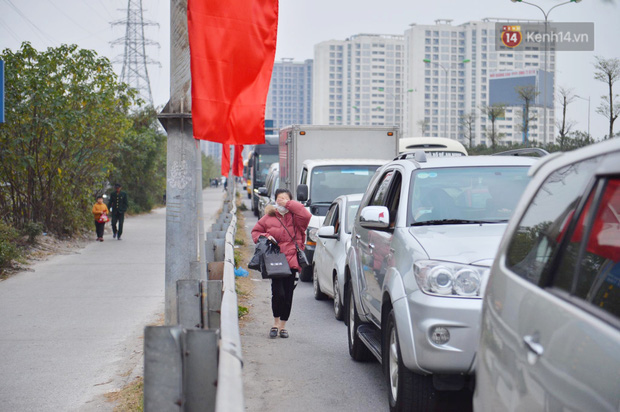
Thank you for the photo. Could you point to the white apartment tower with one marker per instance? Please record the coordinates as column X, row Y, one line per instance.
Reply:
column 289, row 100
column 448, row 72
column 359, row 81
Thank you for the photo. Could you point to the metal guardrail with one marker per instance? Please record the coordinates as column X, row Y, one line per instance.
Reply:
column 196, row 365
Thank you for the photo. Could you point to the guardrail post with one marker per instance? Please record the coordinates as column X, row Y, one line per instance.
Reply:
column 200, row 370
column 219, row 250
column 163, row 368
column 188, row 303
column 212, row 303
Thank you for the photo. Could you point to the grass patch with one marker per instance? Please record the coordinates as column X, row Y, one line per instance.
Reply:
column 130, row 398
column 242, row 310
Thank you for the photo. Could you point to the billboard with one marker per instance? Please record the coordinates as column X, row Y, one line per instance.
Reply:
column 502, row 86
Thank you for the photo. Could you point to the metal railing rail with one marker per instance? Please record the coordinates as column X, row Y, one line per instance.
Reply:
column 197, row 364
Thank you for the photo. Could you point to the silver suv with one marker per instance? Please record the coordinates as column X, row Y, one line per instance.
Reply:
column 550, row 331
column 423, row 240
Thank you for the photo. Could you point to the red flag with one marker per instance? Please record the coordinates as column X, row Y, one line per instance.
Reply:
column 238, row 161
column 232, row 49
column 225, row 159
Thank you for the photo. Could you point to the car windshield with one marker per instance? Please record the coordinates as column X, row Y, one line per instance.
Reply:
column 351, row 210
column 466, row 194
column 329, row 182
column 264, row 161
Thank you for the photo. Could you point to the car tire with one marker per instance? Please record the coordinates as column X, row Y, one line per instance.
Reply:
column 338, row 308
column 318, row 295
column 407, row 390
column 306, row 274
column 357, row 349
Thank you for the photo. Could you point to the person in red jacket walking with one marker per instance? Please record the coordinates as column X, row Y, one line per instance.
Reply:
column 296, row 218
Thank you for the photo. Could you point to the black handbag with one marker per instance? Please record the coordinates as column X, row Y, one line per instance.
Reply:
column 302, row 260
column 256, row 262
column 275, row 264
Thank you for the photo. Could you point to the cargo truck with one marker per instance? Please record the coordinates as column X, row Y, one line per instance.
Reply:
column 320, row 163
column 263, row 156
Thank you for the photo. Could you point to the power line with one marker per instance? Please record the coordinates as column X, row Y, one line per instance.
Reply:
column 44, row 35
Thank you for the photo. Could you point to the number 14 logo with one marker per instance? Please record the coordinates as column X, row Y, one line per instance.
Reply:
column 511, row 36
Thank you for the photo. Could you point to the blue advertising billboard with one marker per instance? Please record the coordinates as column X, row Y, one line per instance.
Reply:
column 502, row 86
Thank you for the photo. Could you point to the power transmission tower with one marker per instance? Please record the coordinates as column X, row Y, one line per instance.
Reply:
column 134, row 59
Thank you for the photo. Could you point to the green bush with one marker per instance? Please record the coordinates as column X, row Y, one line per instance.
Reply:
column 32, row 230
column 8, row 246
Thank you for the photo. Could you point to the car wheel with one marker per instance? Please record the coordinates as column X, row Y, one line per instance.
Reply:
column 407, row 391
column 357, row 349
column 338, row 309
column 306, row 274
column 318, row 295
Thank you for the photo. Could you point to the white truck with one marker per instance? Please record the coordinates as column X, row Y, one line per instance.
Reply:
column 320, row 163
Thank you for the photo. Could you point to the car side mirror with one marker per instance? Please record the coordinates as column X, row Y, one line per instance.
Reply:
column 327, row 232
column 375, row 217
column 262, row 191
column 302, row 193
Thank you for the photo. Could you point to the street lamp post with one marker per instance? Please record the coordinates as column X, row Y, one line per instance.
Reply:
column 445, row 114
column 588, row 99
column 546, row 14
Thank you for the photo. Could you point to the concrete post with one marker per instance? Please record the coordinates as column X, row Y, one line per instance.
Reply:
column 181, row 214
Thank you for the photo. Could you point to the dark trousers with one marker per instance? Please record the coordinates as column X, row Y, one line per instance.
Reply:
column 99, row 228
column 119, row 218
column 282, row 296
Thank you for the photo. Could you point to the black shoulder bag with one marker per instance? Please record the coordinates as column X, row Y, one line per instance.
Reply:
column 301, row 256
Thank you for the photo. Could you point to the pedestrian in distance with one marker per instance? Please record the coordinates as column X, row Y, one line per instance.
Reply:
column 118, row 206
column 100, row 213
column 286, row 215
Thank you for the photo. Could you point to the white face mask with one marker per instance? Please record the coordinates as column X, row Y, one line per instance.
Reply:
column 282, row 210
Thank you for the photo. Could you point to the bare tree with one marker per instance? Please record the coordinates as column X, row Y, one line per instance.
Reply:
column 467, row 121
column 565, row 96
column 423, row 125
column 527, row 94
column 608, row 71
column 494, row 113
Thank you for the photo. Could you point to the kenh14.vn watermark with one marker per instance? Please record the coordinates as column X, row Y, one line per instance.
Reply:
column 555, row 36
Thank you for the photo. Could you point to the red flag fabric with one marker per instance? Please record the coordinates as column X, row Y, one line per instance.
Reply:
column 225, row 159
column 238, row 161
column 232, row 49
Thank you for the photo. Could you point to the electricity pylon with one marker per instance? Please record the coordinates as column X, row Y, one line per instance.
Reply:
column 134, row 59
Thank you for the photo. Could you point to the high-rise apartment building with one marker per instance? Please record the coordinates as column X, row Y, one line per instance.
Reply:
column 449, row 68
column 289, row 100
column 426, row 80
column 359, row 81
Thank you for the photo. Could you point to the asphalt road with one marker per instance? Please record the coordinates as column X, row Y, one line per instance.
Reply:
column 71, row 330
column 311, row 370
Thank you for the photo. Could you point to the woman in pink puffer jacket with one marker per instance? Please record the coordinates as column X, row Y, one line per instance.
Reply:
column 296, row 218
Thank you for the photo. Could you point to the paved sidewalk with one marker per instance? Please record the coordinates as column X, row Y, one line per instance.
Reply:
column 72, row 330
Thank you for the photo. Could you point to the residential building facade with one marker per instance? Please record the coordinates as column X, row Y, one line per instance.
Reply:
column 359, row 81
column 289, row 100
column 449, row 68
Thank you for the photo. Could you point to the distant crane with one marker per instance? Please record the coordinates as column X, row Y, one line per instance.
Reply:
column 134, row 59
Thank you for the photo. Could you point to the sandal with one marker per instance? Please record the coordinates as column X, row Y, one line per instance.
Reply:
column 273, row 333
column 283, row 333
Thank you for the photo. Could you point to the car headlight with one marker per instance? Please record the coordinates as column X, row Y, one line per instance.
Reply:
column 312, row 236
column 449, row 279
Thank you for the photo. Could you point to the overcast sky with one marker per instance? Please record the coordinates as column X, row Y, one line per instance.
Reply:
column 304, row 23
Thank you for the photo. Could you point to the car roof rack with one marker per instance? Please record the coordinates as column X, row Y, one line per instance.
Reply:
column 418, row 155
column 526, row 151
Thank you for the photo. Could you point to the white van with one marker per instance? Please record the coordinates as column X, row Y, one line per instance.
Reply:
column 433, row 146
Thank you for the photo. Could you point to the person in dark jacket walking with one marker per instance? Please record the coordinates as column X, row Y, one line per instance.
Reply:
column 118, row 206
column 296, row 218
